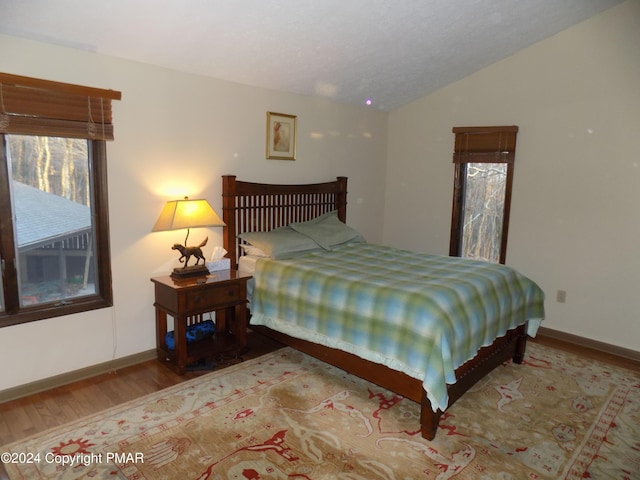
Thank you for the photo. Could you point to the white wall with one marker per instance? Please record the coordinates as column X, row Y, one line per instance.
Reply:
column 575, row 219
column 175, row 135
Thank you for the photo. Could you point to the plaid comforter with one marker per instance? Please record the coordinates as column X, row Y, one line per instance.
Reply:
column 420, row 314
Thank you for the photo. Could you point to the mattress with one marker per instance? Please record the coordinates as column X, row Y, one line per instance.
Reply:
column 247, row 264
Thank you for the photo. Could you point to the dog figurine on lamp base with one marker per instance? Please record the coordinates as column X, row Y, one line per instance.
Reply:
column 185, row 255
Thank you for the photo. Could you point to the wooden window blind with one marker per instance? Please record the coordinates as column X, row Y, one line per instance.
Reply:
column 30, row 106
column 485, row 144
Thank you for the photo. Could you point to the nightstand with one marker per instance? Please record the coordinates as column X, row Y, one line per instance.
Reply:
column 187, row 301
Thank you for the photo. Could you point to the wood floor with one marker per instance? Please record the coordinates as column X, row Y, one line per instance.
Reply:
column 33, row 414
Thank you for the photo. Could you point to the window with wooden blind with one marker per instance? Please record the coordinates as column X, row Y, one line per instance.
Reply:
column 484, row 159
column 54, row 228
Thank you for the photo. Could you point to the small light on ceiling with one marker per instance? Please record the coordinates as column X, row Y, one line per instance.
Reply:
column 368, row 101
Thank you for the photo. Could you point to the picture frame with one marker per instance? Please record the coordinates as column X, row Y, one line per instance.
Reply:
column 281, row 136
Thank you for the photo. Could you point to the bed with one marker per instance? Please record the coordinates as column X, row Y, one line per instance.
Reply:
column 451, row 365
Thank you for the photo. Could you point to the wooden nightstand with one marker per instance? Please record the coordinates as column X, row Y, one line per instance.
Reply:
column 187, row 300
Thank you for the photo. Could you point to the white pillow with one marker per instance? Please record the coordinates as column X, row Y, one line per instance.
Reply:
column 252, row 250
column 328, row 231
column 280, row 243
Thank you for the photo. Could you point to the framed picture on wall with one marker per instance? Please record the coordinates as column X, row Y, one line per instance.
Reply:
column 281, row 136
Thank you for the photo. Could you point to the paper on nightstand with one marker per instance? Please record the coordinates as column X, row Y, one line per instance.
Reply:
column 218, row 262
column 218, row 253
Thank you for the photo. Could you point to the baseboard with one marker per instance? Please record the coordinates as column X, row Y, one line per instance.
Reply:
column 94, row 370
column 74, row 376
column 619, row 352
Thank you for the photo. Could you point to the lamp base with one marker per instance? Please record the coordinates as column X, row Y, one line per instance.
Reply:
column 192, row 271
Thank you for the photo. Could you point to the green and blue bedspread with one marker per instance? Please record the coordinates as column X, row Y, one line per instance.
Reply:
column 421, row 314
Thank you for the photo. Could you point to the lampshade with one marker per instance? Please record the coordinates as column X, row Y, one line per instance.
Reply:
column 179, row 214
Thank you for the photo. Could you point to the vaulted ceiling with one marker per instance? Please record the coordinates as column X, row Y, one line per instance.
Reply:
column 389, row 51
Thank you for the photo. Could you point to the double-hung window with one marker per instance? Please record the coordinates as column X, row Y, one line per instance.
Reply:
column 54, row 228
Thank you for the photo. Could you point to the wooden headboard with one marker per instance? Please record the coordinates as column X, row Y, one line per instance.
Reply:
column 260, row 207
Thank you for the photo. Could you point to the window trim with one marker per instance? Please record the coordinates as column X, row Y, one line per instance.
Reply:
column 14, row 314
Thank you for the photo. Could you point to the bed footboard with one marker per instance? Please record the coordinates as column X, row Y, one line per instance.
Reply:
column 509, row 347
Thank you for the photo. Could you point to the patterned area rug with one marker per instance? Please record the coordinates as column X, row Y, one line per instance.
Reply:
column 286, row 416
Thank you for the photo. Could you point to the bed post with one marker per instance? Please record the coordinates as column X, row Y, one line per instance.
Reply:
column 429, row 419
column 521, row 343
column 229, row 218
column 341, row 199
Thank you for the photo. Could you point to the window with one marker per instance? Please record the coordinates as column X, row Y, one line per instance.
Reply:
column 54, row 238
column 484, row 158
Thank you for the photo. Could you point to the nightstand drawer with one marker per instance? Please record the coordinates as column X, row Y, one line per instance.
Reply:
column 213, row 297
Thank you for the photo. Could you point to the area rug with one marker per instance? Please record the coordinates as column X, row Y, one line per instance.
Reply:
column 288, row 416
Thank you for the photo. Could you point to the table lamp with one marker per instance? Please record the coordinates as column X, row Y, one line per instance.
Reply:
column 179, row 214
